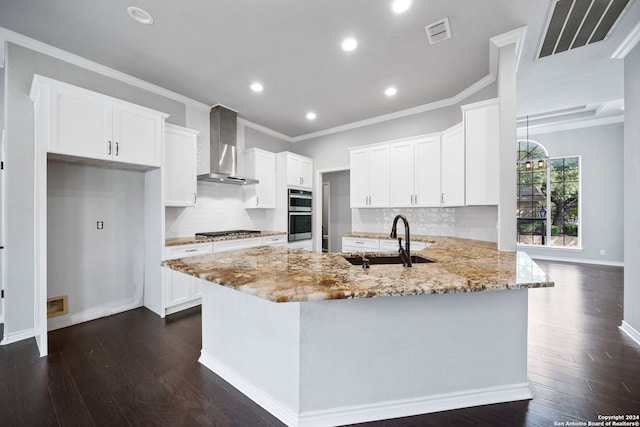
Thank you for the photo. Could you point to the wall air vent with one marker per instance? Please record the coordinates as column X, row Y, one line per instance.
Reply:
column 438, row 31
column 576, row 23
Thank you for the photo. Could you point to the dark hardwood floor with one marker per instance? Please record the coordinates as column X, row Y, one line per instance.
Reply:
column 137, row 369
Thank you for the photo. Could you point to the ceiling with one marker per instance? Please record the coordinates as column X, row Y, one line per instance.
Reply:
column 212, row 50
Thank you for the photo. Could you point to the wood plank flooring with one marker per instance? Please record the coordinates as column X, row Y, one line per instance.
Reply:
column 137, row 369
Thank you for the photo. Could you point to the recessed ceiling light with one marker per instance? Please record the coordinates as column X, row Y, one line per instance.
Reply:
column 400, row 6
column 311, row 116
column 390, row 91
column 256, row 87
column 349, row 44
column 140, row 15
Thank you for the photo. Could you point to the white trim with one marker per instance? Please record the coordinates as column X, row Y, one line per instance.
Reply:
column 371, row 412
column 577, row 260
column 90, row 314
column 516, row 36
column 271, row 405
column 264, row 129
column 71, row 58
column 627, row 44
column 416, row 406
column 1, row 52
column 10, row 338
column 480, row 84
column 578, row 124
column 630, row 331
column 185, row 305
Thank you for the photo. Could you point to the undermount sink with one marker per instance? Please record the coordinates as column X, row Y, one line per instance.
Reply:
column 375, row 259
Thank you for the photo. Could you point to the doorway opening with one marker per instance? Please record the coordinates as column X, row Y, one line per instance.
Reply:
column 336, row 209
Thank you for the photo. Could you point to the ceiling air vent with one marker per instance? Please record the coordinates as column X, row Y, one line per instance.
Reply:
column 576, row 23
column 438, row 31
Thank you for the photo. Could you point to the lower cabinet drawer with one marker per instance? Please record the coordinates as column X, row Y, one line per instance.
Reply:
column 230, row 245
column 278, row 240
column 181, row 251
column 351, row 243
column 392, row 245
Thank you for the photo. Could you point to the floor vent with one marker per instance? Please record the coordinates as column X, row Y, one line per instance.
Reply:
column 576, row 23
column 438, row 31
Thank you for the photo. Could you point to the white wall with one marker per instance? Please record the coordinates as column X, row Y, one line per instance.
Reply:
column 101, row 271
column 632, row 193
column 602, row 193
column 20, row 66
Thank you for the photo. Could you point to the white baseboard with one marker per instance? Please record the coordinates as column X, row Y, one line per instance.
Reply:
column 183, row 306
column 11, row 337
column 630, row 331
column 365, row 413
column 577, row 260
column 60, row 322
column 271, row 405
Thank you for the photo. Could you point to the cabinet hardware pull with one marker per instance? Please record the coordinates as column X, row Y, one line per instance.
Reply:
column 442, row 198
column 415, row 199
column 109, row 147
column 117, row 148
column 359, row 243
column 190, row 250
column 195, row 198
column 257, row 201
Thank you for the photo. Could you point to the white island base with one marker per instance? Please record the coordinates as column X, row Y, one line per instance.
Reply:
column 336, row 362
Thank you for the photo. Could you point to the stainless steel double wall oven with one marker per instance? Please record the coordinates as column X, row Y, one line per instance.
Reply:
column 299, row 215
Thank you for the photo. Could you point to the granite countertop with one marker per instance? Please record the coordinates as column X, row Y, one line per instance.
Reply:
column 175, row 241
column 283, row 275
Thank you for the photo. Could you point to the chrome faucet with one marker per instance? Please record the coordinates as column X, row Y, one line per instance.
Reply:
column 405, row 253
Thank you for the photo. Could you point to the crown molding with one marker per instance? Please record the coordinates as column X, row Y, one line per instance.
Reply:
column 38, row 46
column 264, row 129
column 628, row 43
column 570, row 125
column 495, row 43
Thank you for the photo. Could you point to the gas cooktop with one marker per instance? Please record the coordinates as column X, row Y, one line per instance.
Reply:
column 226, row 233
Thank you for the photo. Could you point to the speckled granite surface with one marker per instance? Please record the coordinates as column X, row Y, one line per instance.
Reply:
column 282, row 275
column 174, row 241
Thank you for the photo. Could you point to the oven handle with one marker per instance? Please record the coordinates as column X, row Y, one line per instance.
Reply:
column 299, row 213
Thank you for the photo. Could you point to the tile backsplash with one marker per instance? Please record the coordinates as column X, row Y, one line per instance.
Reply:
column 429, row 221
column 219, row 207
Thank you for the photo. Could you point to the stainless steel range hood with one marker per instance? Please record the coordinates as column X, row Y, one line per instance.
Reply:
column 223, row 155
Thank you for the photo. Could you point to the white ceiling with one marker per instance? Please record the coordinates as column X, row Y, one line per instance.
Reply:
column 212, row 50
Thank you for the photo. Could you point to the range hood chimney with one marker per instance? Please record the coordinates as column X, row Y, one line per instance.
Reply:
column 223, row 149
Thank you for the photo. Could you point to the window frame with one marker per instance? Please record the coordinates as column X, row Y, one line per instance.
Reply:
column 548, row 224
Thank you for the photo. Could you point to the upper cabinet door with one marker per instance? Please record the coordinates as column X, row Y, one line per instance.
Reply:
column 452, row 173
column 299, row 171
column 80, row 125
column 401, row 171
column 261, row 165
column 84, row 124
column 427, row 172
column 482, row 136
column 136, row 136
column 179, row 166
column 379, row 176
column 359, row 178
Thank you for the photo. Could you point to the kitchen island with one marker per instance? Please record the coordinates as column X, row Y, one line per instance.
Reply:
column 317, row 341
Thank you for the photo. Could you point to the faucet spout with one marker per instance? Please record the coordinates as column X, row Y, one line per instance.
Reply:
column 405, row 253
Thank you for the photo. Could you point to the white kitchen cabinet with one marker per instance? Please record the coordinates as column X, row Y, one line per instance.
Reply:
column 86, row 124
column 279, row 240
column 360, row 244
column 415, row 172
column 179, row 166
column 261, row 165
column 482, row 136
column 453, row 166
column 369, row 182
column 231, row 245
column 299, row 171
column 306, row 245
column 183, row 291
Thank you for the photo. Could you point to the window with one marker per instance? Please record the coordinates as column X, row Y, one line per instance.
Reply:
column 548, row 208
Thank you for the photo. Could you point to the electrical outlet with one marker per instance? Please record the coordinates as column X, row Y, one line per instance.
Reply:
column 602, row 251
column 100, row 225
